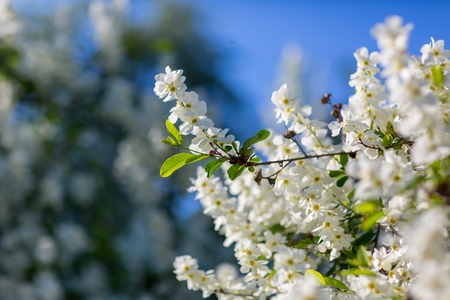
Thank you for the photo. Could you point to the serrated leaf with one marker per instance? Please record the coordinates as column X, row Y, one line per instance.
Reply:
column 214, row 165
column 173, row 163
column 371, row 221
column 173, row 131
column 335, row 283
column 343, row 159
column 196, row 158
column 342, row 181
column 336, row 173
column 235, row 171
column 362, row 257
column 316, row 275
column 260, row 136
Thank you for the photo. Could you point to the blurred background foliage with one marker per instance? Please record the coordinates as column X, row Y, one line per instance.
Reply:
column 83, row 211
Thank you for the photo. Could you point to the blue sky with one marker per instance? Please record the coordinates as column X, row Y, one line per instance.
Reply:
column 253, row 34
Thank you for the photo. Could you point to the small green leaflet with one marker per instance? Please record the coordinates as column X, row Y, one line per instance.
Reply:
column 342, row 181
column 260, row 136
column 170, row 141
column 337, row 173
column 214, row 165
column 175, row 162
column 235, row 171
column 343, row 159
column 173, row 131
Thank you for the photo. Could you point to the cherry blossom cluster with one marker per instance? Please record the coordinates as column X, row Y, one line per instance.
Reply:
column 354, row 209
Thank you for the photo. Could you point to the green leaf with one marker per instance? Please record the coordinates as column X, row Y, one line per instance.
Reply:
column 336, row 173
column 255, row 159
column 364, row 239
column 342, row 181
column 362, row 257
column 316, row 275
column 343, row 159
column 235, row 171
column 387, row 140
column 173, row 163
column 438, row 75
column 169, row 141
column 196, row 158
column 260, row 136
column 335, row 283
column 173, row 131
column 214, row 165
column 251, row 169
column 390, row 129
column 277, row 228
column 368, row 207
column 351, row 194
column 371, row 221
column 356, row 272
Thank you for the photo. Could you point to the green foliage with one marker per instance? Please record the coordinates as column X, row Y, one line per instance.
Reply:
column 173, row 131
column 235, row 171
column 260, row 136
column 176, row 161
column 214, row 165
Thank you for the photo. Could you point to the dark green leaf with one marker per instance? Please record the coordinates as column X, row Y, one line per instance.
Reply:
column 214, row 165
column 342, row 181
column 260, row 136
column 351, row 194
column 235, row 171
column 251, row 169
column 335, row 283
column 343, row 159
column 173, row 131
column 173, row 163
column 364, row 239
column 337, row 173
column 277, row 228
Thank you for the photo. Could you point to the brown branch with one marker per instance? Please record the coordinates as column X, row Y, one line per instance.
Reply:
column 281, row 161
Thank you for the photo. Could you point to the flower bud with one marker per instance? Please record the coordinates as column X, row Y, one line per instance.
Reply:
column 289, row 134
